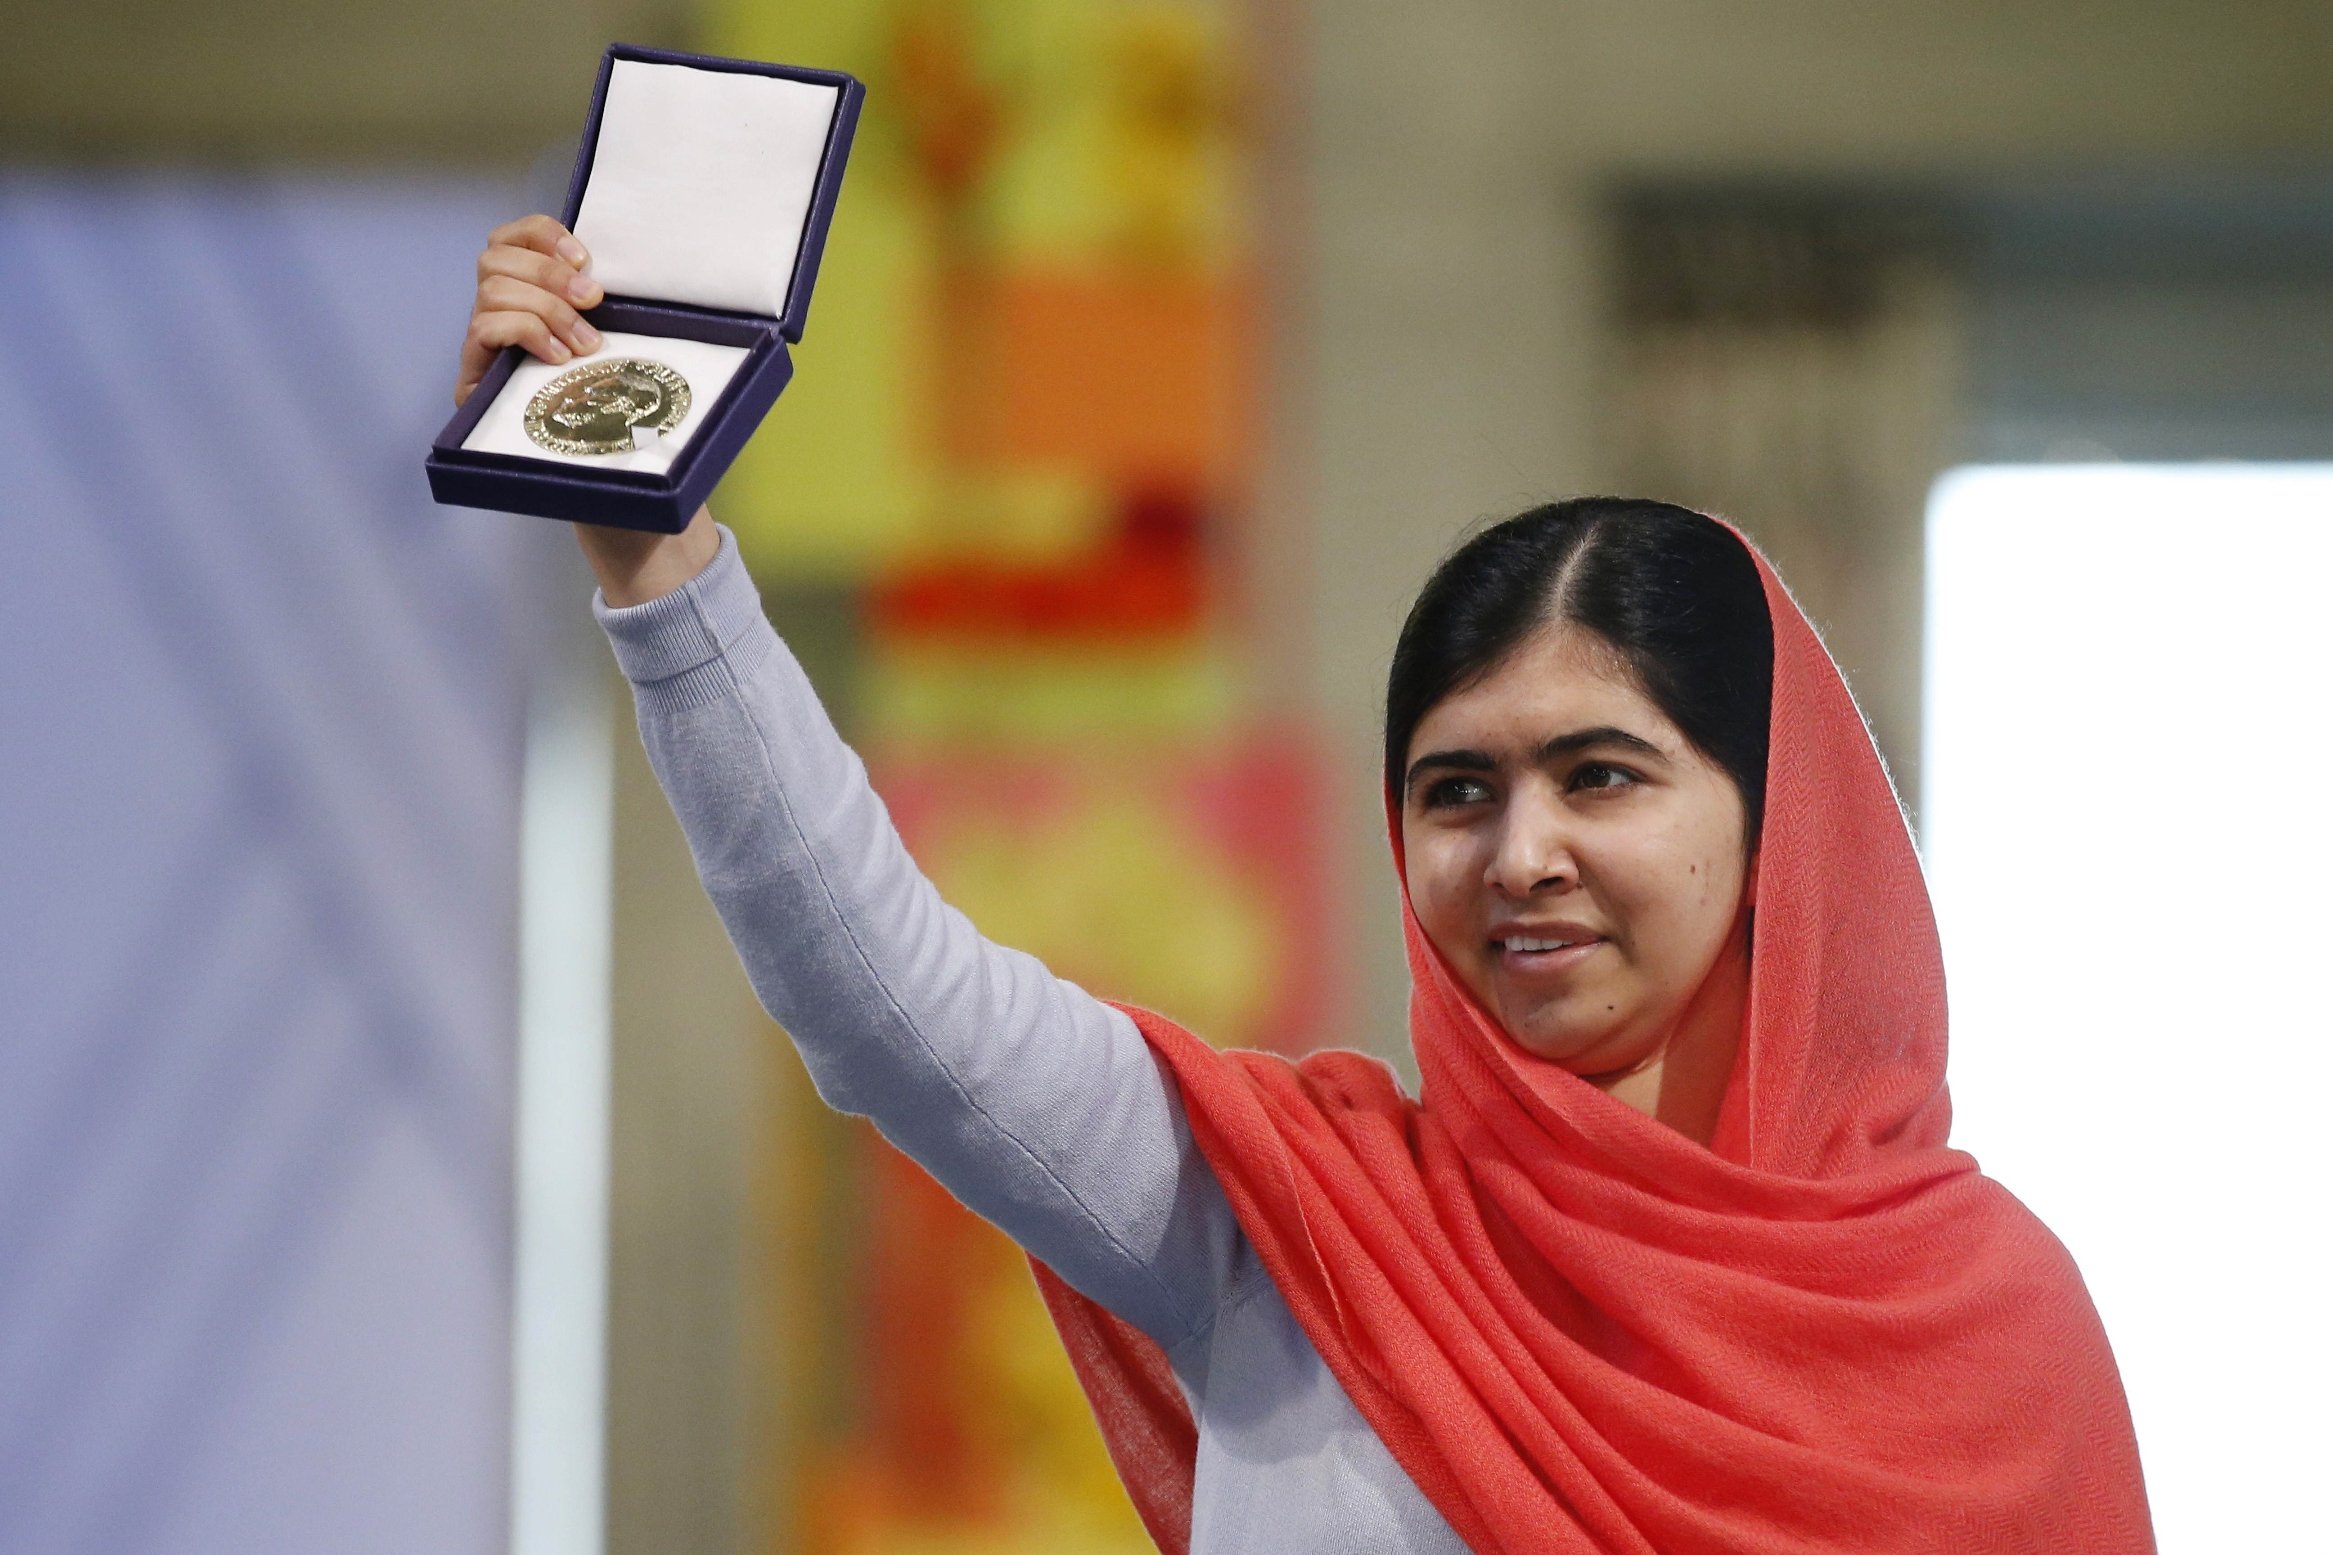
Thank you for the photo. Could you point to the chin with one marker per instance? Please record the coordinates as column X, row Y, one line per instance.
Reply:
column 1556, row 1045
column 1584, row 1053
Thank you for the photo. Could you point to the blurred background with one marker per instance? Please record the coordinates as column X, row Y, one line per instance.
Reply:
column 392, row 1156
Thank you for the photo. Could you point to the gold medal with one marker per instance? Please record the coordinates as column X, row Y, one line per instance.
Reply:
column 593, row 408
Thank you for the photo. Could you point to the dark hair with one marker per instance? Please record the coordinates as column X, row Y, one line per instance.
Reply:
column 1675, row 593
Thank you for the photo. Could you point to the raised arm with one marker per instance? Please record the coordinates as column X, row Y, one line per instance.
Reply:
column 1033, row 1102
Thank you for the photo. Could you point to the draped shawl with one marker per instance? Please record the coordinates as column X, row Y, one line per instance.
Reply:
column 1579, row 1330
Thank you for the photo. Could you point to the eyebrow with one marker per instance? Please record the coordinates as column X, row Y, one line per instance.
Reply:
column 1561, row 745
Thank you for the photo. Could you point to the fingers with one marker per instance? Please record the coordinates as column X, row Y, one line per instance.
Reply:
column 555, row 276
column 530, row 287
column 491, row 330
column 544, row 235
column 501, row 294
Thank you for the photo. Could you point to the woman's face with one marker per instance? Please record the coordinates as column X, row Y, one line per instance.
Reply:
column 1552, row 800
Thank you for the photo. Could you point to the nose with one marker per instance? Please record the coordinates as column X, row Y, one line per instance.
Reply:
column 1533, row 849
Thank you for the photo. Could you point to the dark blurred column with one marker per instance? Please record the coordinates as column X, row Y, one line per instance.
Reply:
column 686, row 1079
column 1792, row 363
column 705, row 1279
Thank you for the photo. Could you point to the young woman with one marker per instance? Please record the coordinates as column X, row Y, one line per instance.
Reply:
column 1669, row 1257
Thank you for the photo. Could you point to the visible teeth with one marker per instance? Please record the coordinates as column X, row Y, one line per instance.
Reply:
column 1538, row 944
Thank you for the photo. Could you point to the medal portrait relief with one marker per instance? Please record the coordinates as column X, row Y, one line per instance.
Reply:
column 593, row 408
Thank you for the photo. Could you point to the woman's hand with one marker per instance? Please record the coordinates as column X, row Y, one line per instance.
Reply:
column 531, row 282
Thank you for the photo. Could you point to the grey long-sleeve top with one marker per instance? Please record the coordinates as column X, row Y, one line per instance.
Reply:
column 1037, row 1105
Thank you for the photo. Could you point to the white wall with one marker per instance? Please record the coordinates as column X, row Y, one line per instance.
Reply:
column 2127, row 844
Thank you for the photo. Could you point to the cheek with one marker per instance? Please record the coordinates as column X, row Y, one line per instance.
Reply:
column 1442, row 883
column 1665, row 892
column 1704, row 889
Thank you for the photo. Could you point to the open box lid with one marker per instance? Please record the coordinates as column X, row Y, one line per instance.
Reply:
column 710, row 182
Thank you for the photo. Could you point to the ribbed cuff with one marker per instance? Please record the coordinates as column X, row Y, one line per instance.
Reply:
column 687, row 628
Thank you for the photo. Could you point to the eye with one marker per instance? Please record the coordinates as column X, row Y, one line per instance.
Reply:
column 1629, row 779
column 1451, row 791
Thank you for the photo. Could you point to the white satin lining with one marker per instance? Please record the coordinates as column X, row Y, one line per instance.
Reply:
column 701, row 183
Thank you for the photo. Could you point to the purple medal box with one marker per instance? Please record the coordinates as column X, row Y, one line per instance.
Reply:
column 702, row 191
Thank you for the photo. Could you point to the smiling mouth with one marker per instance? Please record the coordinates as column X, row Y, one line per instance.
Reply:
column 1534, row 957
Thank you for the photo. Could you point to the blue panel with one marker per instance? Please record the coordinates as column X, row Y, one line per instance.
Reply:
column 258, row 841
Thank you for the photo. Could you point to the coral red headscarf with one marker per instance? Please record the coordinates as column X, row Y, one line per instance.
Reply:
column 1580, row 1331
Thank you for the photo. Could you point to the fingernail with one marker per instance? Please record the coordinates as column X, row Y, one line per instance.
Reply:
column 582, row 288
column 559, row 352
column 573, row 252
column 586, row 337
